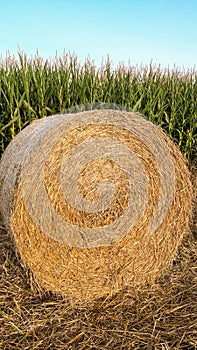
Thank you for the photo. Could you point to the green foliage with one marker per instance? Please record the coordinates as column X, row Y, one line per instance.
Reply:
column 34, row 88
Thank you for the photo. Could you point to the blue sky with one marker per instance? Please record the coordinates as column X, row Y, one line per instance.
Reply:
column 164, row 31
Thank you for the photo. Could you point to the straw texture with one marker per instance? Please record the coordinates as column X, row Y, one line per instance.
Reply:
column 96, row 201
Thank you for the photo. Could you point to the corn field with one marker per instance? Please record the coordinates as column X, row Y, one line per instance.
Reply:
column 31, row 88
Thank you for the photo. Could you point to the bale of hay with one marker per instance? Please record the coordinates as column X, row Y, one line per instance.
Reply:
column 96, row 201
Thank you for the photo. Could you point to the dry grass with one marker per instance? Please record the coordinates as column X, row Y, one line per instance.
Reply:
column 87, row 249
column 161, row 317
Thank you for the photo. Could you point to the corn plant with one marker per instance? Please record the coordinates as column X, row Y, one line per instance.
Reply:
column 31, row 88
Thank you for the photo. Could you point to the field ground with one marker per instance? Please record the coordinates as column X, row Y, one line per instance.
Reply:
column 160, row 317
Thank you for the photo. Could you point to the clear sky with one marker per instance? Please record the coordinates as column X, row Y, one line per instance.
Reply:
column 164, row 31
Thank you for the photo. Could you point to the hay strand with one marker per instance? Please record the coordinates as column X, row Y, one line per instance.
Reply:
column 96, row 201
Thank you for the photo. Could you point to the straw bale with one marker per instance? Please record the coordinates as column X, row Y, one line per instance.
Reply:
column 96, row 201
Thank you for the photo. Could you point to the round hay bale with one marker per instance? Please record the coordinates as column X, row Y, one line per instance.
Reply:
column 96, row 201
